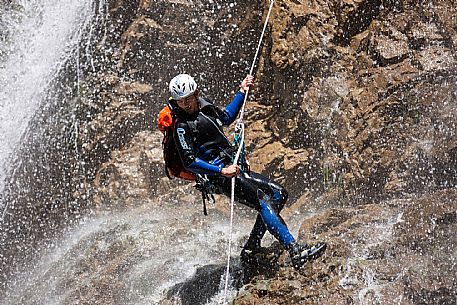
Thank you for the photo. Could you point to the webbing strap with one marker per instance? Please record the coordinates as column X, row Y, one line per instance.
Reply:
column 240, row 128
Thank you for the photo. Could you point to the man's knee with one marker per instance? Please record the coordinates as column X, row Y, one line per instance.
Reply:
column 280, row 197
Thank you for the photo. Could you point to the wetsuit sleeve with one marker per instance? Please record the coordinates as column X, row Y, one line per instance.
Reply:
column 183, row 139
column 231, row 111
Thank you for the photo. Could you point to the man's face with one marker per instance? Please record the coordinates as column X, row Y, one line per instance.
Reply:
column 189, row 104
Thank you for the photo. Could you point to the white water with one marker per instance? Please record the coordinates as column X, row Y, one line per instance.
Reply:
column 43, row 35
column 358, row 272
column 132, row 257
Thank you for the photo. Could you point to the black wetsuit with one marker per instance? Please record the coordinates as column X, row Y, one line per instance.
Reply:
column 204, row 149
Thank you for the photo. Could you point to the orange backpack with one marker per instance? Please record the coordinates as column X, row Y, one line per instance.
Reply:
column 173, row 163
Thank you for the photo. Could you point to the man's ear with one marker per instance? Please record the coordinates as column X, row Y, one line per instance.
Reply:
column 197, row 93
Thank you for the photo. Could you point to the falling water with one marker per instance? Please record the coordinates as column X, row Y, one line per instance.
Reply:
column 38, row 40
column 358, row 270
column 41, row 36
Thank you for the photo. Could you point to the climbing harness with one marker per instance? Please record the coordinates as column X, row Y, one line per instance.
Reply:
column 207, row 188
column 239, row 129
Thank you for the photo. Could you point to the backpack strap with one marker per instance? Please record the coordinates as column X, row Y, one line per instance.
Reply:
column 167, row 137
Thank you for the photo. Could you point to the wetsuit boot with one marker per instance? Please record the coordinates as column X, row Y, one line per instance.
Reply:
column 253, row 244
column 300, row 254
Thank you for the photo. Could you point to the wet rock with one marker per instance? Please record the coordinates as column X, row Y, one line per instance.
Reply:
column 366, row 261
column 200, row 288
column 363, row 102
column 210, row 280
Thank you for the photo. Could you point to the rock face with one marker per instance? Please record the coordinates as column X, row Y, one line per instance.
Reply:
column 364, row 92
column 354, row 111
column 152, row 42
column 367, row 91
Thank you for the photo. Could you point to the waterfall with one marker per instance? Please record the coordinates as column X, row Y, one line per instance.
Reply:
column 40, row 37
column 38, row 41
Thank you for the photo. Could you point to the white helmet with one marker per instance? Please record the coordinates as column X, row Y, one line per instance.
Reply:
column 182, row 86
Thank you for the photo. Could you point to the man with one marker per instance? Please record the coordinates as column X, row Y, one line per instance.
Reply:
column 205, row 150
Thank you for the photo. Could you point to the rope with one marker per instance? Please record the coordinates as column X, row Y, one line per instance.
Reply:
column 259, row 45
column 240, row 128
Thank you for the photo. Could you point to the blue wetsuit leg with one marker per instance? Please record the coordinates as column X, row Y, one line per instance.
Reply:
column 273, row 222
column 246, row 188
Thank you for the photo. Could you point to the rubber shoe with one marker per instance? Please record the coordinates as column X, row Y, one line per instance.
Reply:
column 247, row 256
column 300, row 254
column 258, row 255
